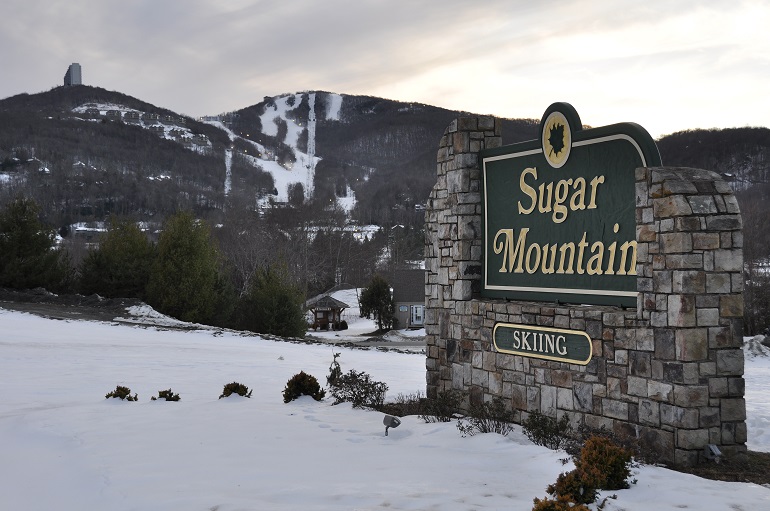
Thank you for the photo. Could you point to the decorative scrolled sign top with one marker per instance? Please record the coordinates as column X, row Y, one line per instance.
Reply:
column 559, row 212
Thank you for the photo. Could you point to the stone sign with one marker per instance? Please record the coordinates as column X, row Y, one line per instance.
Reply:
column 665, row 364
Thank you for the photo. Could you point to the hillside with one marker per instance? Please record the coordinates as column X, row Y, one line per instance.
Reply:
column 85, row 153
column 375, row 157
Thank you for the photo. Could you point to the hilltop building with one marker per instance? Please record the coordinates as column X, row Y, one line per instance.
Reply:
column 73, row 75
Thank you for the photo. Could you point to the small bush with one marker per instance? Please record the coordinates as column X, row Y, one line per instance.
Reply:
column 547, row 431
column 335, row 372
column 405, row 404
column 602, row 465
column 577, row 485
column 558, row 504
column 611, row 461
column 122, row 393
column 443, row 408
column 490, row 417
column 168, row 395
column 302, row 384
column 359, row 389
column 343, row 325
column 235, row 388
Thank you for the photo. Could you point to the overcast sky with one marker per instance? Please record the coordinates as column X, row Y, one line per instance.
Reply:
column 666, row 64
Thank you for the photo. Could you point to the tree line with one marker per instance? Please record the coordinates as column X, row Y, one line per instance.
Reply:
column 251, row 273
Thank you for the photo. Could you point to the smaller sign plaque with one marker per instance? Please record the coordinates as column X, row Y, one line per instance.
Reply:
column 571, row 346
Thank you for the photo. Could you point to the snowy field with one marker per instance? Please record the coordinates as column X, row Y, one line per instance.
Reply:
column 65, row 447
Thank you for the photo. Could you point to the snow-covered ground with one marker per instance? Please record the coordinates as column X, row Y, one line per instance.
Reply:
column 63, row 446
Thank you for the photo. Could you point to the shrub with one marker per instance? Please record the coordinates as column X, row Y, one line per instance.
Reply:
column 359, row 389
column 122, row 393
column 235, row 388
column 168, row 395
column 602, row 465
column 443, row 408
column 611, row 461
column 405, row 404
column 547, row 431
column 558, row 504
column 335, row 372
column 302, row 384
column 490, row 417
column 578, row 485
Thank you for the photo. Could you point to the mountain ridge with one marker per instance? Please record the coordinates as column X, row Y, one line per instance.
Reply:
column 371, row 157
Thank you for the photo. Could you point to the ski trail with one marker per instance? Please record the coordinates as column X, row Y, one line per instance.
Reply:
column 311, row 123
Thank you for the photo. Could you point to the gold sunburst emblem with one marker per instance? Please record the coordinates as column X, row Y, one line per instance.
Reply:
column 556, row 139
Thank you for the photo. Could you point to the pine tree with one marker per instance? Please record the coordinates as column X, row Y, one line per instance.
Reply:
column 272, row 304
column 377, row 301
column 184, row 280
column 29, row 257
column 120, row 267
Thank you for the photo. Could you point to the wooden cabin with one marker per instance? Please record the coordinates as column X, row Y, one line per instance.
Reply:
column 327, row 313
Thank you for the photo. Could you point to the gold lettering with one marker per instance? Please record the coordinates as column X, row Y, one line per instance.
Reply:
column 595, row 182
column 595, row 262
column 611, row 251
column 547, row 270
column 545, row 208
column 532, row 268
column 581, row 248
column 510, row 249
column 563, row 250
column 623, row 256
column 559, row 209
column 578, row 200
column 528, row 190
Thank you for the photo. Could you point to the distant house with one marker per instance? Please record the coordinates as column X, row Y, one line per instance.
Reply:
column 93, row 112
column 132, row 117
column 409, row 297
column 150, row 118
column 114, row 114
column 326, row 312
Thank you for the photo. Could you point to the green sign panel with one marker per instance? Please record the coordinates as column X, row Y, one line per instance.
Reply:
column 559, row 212
column 557, row 344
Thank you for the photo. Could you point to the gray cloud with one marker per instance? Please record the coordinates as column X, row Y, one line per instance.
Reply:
column 202, row 56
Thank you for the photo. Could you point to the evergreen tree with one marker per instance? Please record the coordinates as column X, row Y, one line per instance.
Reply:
column 120, row 267
column 184, row 280
column 377, row 301
column 272, row 304
column 28, row 254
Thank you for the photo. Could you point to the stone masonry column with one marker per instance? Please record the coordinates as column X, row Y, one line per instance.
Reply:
column 691, row 292
column 453, row 240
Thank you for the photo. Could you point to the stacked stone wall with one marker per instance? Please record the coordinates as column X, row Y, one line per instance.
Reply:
column 669, row 372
